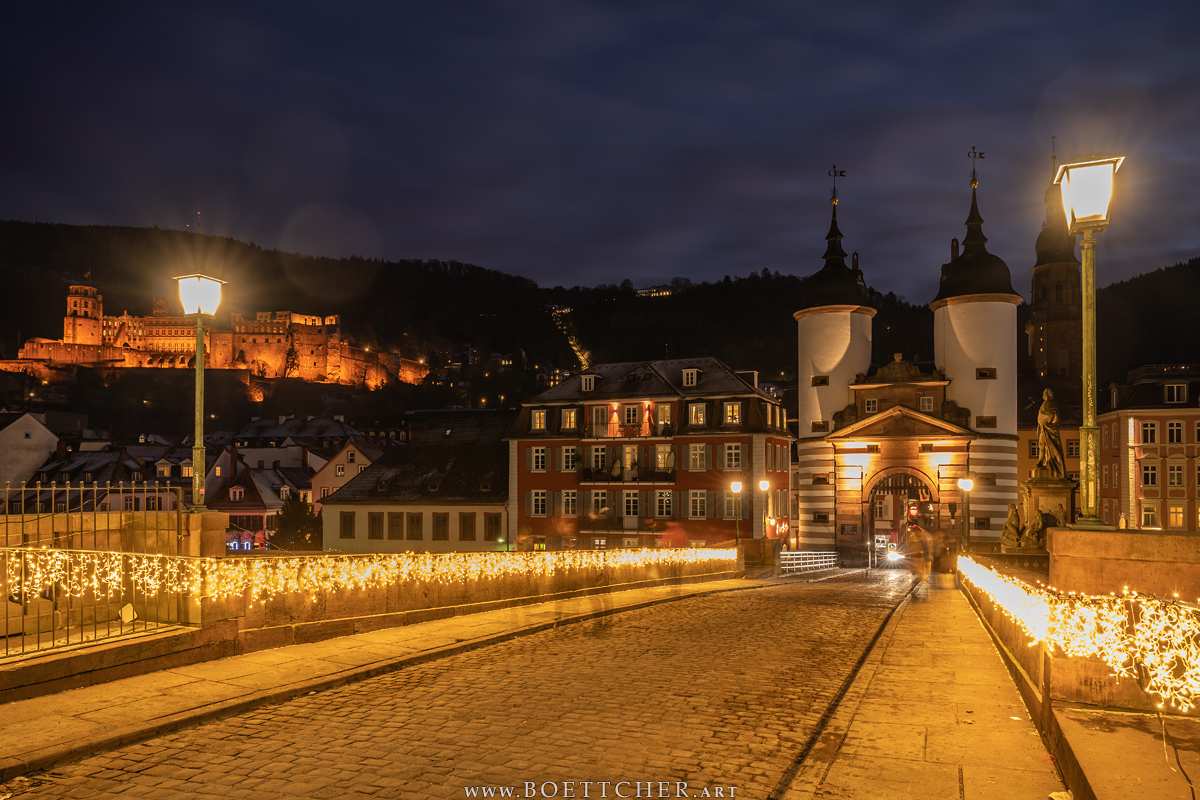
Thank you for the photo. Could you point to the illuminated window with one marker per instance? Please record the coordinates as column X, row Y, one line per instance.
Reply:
column 696, row 413
column 697, row 456
column 1175, row 475
column 1149, row 475
column 1149, row 516
column 538, row 420
column 871, row 406
column 187, row 471
column 1149, row 432
column 340, row 469
column 1175, row 517
column 570, row 505
column 697, row 504
column 927, row 405
column 662, row 504
column 664, row 413
column 1174, row 433
column 568, row 419
column 733, row 413
column 662, row 457
column 631, row 415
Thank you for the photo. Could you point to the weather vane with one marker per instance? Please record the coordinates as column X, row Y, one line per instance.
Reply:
column 835, row 173
column 973, row 155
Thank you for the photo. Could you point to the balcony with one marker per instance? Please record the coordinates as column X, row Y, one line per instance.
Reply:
column 619, row 475
column 617, row 430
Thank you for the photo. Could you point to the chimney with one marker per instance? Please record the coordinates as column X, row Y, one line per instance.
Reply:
column 953, row 249
column 339, row 418
column 282, row 419
column 750, row 376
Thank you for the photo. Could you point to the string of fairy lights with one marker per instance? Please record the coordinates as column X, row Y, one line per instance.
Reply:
column 1131, row 633
column 91, row 573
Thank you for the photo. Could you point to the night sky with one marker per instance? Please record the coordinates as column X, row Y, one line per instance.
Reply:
column 585, row 143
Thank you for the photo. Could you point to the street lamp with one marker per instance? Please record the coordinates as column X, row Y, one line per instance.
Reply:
column 966, row 485
column 736, row 488
column 1087, row 188
column 200, row 295
column 765, row 486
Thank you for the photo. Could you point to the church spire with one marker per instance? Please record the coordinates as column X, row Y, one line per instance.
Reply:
column 833, row 250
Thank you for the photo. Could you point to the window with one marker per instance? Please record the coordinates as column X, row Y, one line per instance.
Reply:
column 466, row 527
column 820, row 516
column 820, row 380
column 820, row 480
column 538, row 420
column 696, row 456
column 1073, row 448
column 1149, row 516
column 733, row 505
column 441, row 526
column 324, row 492
column 395, row 522
column 697, row 504
column 733, row 456
column 340, row 470
column 631, row 504
column 985, row 422
column 570, row 459
column 983, row 523
column 539, row 459
column 927, row 405
column 350, row 457
column 284, row 493
column 236, row 493
column 568, row 419
column 1174, row 433
column 589, row 383
column 871, row 406
column 1149, row 432
column 347, row 525
column 1033, row 448
column 690, row 377
column 820, row 426
column 414, row 519
column 599, row 458
column 985, row 374
column 1175, row 517
column 1104, row 483
column 1104, row 431
column 538, row 502
column 881, row 508
column 1175, row 475
column 1149, row 475
column 599, row 544
column 664, row 413
column 374, row 524
column 130, row 505
column 733, row 413
column 662, row 504
column 137, row 476
column 361, row 468
column 491, row 527
column 631, row 415
column 696, row 413
column 185, row 471
column 164, row 471
column 600, row 503
column 1176, row 392
column 570, row 503
column 218, row 472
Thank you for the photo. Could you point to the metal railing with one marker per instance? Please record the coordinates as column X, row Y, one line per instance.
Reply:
column 633, row 475
column 803, row 561
column 70, row 560
column 617, row 430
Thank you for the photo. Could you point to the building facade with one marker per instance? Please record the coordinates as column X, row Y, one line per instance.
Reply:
column 873, row 442
column 646, row 454
column 1150, row 450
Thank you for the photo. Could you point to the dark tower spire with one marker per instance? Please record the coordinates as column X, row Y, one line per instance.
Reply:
column 833, row 249
column 835, row 284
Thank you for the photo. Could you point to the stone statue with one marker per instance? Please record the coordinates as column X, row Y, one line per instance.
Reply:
column 1050, row 449
column 1035, row 534
column 1012, row 528
column 1062, row 519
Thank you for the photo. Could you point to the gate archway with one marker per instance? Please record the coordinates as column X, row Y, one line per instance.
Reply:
column 888, row 500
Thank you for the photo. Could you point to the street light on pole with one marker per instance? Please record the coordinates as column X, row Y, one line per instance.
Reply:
column 200, row 295
column 736, row 488
column 966, row 485
column 1087, row 188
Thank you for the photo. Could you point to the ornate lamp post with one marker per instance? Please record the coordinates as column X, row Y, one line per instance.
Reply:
column 1087, row 188
column 966, row 485
column 736, row 488
column 200, row 295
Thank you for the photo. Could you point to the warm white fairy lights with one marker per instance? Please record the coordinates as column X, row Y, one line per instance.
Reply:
column 80, row 573
column 1139, row 637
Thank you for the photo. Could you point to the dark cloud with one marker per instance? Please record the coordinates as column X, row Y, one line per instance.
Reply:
column 586, row 142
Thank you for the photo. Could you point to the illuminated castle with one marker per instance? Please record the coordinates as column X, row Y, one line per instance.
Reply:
column 272, row 345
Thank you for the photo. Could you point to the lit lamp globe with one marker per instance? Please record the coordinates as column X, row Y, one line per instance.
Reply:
column 199, row 294
column 736, row 487
column 764, row 485
column 966, row 484
column 1087, row 188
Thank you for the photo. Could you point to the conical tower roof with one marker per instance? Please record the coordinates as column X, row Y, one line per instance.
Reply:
column 834, row 284
column 976, row 271
column 1055, row 244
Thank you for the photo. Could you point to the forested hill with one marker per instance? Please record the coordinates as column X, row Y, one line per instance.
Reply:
column 410, row 306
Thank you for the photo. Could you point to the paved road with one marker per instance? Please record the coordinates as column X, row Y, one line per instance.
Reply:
column 718, row 691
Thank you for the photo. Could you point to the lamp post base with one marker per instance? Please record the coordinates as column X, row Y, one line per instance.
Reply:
column 1091, row 524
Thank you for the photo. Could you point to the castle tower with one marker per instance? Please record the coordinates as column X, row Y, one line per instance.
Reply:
column 85, row 312
column 1055, row 328
column 975, row 330
column 834, row 337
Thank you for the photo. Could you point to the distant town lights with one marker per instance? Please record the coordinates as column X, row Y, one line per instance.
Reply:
column 199, row 294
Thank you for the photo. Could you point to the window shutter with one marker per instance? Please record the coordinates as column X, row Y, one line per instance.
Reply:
column 643, row 512
column 708, row 505
column 528, row 459
column 675, row 504
column 528, row 504
column 747, row 502
column 708, row 456
column 558, row 458
column 605, row 496
column 587, row 503
column 770, row 456
column 742, row 464
column 719, row 499
column 558, row 506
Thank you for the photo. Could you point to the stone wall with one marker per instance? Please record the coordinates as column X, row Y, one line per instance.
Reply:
column 1150, row 562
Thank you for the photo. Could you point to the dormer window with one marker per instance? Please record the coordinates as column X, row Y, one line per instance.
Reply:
column 164, row 471
column 1176, row 392
column 733, row 413
column 137, row 476
column 691, row 377
column 237, row 493
column 537, row 419
column 284, row 494
column 187, row 471
column 568, row 419
column 589, row 383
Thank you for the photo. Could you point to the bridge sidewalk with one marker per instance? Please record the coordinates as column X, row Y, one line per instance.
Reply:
column 41, row 732
column 933, row 712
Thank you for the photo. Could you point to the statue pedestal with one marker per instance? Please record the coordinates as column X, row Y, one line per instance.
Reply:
column 1052, row 496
